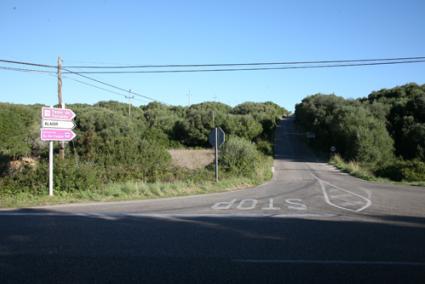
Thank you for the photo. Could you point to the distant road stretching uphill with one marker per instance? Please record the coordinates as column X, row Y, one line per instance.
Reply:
column 310, row 224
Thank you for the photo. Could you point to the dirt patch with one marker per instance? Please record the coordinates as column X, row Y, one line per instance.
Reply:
column 192, row 159
column 19, row 164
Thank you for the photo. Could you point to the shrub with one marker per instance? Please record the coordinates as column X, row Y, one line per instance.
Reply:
column 357, row 134
column 265, row 147
column 72, row 176
column 244, row 126
column 240, row 157
column 410, row 170
column 413, row 170
column 22, row 128
column 28, row 179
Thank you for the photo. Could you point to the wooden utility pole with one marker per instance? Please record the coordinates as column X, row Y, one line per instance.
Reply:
column 129, row 103
column 60, row 102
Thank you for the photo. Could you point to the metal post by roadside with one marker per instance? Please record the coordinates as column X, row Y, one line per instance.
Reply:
column 216, row 155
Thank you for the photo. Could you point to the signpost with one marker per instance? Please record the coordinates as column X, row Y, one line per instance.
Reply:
column 57, row 125
column 56, row 134
column 57, row 113
column 216, row 139
column 333, row 150
column 47, row 123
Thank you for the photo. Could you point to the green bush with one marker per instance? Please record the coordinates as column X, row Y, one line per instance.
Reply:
column 409, row 170
column 28, row 179
column 240, row 157
column 21, row 124
column 357, row 134
column 403, row 110
column 70, row 175
column 265, row 147
column 267, row 114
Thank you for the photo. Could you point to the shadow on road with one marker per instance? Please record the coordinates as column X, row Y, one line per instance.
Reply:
column 39, row 246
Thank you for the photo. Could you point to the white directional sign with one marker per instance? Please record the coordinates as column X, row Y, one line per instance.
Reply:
column 63, row 124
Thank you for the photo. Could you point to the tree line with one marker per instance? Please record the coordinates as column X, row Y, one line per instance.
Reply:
column 113, row 145
column 384, row 131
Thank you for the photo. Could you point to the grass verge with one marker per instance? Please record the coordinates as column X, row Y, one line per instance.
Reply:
column 357, row 170
column 353, row 168
column 131, row 190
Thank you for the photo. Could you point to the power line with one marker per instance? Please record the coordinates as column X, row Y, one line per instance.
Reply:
column 246, row 64
column 68, row 71
column 94, row 86
column 107, row 84
column 370, row 60
column 27, row 63
column 252, row 69
column 311, row 65
column 25, row 70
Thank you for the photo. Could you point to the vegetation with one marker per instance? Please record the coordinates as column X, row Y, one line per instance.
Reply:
column 114, row 150
column 383, row 134
column 126, row 191
column 241, row 158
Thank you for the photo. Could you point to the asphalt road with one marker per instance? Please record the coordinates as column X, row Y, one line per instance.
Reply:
column 310, row 224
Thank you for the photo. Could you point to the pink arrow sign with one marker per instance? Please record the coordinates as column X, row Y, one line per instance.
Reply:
column 57, row 113
column 49, row 134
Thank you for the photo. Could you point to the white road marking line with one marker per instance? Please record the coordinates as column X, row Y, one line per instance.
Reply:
column 341, row 196
column 270, row 206
column 223, row 205
column 296, row 203
column 250, row 204
column 337, row 262
column 369, row 194
column 353, row 203
column 243, row 201
column 322, row 182
column 345, row 190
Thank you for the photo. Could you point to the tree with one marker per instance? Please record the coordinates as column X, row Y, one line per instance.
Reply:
column 348, row 125
column 19, row 128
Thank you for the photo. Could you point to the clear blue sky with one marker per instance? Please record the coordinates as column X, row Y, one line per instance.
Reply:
column 181, row 32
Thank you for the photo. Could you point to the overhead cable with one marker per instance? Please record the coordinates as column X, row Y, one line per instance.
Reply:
column 252, row 69
column 244, row 64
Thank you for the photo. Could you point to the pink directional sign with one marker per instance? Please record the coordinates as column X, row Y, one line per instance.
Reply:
column 57, row 113
column 50, row 134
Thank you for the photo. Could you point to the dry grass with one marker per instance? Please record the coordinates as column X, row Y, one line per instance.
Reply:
column 127, row 191
column 192, row 158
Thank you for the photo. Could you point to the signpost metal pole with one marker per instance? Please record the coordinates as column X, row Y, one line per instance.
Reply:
column 216, row 139
column 51, row 168
column 216, row 155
